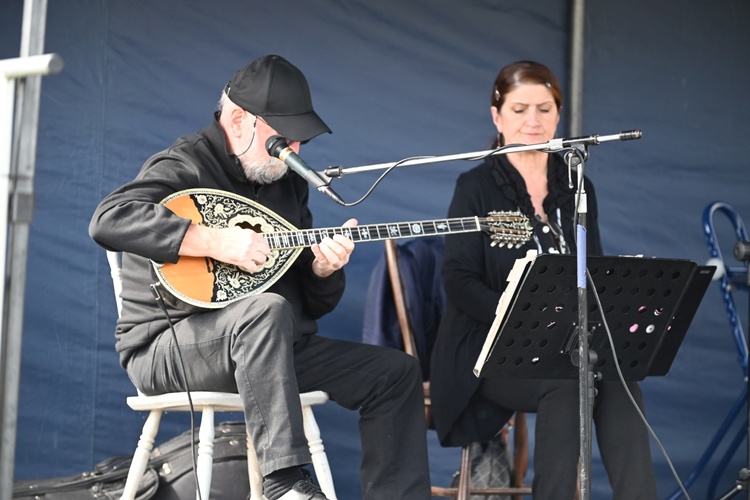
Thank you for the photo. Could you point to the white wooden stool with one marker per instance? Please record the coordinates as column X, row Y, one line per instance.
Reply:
column 208, row 403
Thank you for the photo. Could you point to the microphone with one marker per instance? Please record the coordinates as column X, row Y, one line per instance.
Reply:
column 558, row 144
column 278, row 147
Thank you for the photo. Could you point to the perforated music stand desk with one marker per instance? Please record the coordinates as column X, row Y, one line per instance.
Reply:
column 648, row 304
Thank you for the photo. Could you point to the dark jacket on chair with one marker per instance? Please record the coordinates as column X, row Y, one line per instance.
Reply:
column 420, row 262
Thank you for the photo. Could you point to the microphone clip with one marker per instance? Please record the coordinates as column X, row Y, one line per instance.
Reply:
column 576, row 154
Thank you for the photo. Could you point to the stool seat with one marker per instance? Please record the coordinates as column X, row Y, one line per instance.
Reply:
column 220, row 401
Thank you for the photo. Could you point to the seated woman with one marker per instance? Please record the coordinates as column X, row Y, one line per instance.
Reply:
column 526, row 104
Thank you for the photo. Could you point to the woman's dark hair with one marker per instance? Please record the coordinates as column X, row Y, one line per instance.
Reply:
column 523, row 72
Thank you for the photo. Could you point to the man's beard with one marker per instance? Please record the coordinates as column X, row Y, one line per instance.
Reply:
column 264, row 172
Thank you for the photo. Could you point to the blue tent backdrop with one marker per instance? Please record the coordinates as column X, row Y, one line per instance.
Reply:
column 392, row 79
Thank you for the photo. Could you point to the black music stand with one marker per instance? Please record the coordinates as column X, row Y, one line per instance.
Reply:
column 648, row 303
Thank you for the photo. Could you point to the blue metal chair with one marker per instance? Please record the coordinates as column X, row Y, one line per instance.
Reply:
column 730, row 278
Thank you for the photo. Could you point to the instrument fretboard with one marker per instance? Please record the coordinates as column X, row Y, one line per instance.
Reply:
column 373, row 232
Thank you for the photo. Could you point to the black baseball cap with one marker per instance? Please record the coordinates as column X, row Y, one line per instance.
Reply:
column 273, row 88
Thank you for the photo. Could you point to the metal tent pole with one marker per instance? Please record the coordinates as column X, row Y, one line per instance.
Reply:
column 17, row 158
column 576, row 67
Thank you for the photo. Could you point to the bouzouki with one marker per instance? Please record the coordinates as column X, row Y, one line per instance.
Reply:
column 209, row 283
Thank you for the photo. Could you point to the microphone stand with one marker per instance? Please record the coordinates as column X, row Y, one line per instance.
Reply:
column 552, row 146
column 586, row 357
column 577, row 153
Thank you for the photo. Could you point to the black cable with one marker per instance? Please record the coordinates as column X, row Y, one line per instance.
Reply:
column 380, row 178
column 404, row 160
column 160, row 302
column 627, row 391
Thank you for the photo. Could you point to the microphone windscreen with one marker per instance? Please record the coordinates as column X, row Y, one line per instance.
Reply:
column 275, row 145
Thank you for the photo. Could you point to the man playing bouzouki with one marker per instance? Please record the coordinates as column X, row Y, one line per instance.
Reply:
column 264, row 346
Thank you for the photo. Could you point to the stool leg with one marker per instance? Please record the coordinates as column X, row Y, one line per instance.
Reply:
column 317, row 450
column 464, row 481
column 253, row 471
column 142, row 455
column 205, row 453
